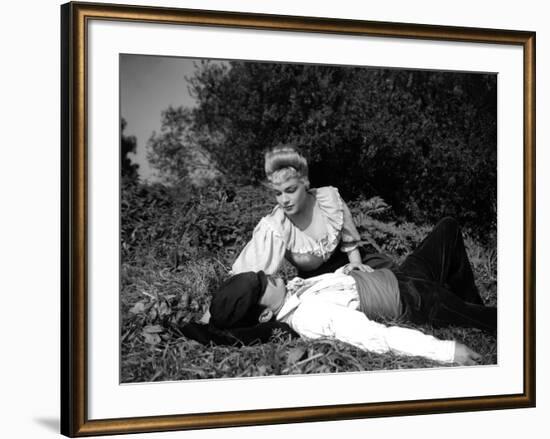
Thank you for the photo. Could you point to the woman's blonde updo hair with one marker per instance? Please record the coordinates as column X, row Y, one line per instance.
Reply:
column 284, row 162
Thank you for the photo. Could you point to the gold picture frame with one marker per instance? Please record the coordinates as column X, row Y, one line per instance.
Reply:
column 74, row 195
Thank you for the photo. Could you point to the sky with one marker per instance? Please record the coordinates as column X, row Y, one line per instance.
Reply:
column 148, row 85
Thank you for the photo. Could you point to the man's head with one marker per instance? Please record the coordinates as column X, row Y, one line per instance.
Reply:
column 246, row 299
column 272, row 299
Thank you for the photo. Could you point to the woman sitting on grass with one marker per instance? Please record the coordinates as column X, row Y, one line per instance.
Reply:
column 311, row 228
column 434, row 285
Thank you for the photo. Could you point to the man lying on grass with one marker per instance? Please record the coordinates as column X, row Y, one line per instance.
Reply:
column 434, row 285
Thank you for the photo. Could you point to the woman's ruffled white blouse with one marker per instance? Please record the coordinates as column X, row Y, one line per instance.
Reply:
column 276, row 237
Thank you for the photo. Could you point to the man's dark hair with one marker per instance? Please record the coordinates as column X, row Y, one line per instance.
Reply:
column 236, row 303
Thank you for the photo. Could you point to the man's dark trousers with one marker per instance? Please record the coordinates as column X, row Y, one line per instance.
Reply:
column 436, row 282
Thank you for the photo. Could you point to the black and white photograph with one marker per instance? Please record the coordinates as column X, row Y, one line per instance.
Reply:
column 275, row 219
column 283, row 218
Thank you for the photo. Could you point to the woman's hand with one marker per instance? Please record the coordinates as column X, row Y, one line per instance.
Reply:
column 356, row 266
column 355, row 263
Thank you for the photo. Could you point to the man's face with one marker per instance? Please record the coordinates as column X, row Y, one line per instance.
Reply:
column 274, row 295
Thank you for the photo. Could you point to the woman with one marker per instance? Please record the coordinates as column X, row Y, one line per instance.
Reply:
column 312, row 228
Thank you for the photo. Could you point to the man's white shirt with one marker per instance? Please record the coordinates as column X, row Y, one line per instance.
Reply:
column 327, row 306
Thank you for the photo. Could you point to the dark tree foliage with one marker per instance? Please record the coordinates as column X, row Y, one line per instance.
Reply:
column 424, row 141
column 128, row 144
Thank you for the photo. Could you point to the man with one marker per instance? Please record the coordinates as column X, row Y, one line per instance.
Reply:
column 434, row 285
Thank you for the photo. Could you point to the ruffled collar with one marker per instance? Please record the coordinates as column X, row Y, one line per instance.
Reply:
column 330, row 204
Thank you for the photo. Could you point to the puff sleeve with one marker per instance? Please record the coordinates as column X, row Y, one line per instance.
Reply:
column 350, row 235
column 265, row 251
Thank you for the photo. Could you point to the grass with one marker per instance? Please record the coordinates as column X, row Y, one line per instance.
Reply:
column 167, row 278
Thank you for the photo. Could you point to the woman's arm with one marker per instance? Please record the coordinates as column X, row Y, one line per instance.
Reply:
column 354, row 256
column 350, row 240
column 265, row 251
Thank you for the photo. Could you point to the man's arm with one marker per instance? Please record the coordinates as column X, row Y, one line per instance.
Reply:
column 315, row 319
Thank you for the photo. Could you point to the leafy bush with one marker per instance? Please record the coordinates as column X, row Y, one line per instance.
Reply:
column 424, row 141
column 168, row 226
